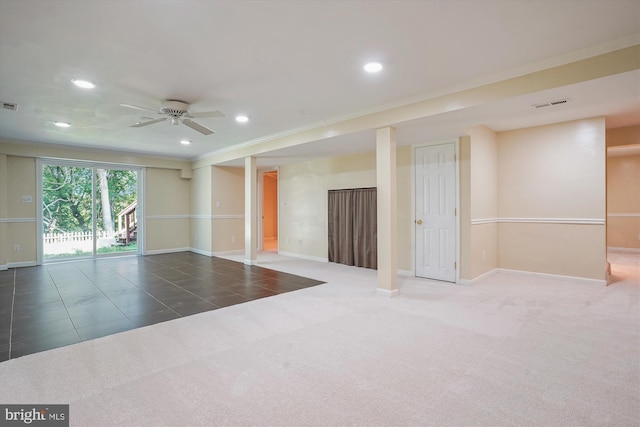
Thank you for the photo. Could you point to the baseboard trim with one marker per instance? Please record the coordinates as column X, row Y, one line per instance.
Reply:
column 250, row 262
column 4, row 267
column 534, row 274
column 201, row 252
column 21, row 264
column 387, row 293
column 166, row 251
column 301, row 256
column 624, row 250
column 406, row 273
column 471, row 282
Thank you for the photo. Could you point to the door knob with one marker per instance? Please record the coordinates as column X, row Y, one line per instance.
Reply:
column 418, row 221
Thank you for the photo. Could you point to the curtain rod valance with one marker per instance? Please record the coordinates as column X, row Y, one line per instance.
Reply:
column 351, row 189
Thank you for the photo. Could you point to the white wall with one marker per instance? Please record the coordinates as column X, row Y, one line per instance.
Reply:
column 227, row 200
column 200, row 202
column 303, row 228
column 20, row 218
column 4, row 216
column 304, row 187
column 483, row 200
column 551, row 199
column 166, row 210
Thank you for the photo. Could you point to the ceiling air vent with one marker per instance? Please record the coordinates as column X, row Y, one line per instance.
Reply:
column 551, row 103
column 9, row 106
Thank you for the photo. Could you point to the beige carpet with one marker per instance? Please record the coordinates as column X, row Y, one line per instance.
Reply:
column 509, row 351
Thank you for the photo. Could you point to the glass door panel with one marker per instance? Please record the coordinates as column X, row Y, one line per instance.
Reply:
column 116, row 211
column 67, row 194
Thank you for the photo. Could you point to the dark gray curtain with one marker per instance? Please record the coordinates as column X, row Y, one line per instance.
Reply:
column 353, row 227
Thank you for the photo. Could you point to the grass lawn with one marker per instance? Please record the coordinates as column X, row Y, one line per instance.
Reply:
column 131, row 247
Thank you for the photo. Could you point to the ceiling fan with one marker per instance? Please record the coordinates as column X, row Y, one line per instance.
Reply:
column 176, row 112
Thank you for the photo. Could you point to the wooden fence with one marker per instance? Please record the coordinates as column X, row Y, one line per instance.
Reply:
column 76, row 236
column 75, row 242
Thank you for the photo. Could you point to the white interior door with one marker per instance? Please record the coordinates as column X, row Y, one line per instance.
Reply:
column 435, row 219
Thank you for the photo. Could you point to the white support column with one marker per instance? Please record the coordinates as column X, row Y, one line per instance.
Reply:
column 250, row 210
column 387, row 211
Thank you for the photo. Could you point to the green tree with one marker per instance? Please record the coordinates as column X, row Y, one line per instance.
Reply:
column 67, row 195
column 66, row 198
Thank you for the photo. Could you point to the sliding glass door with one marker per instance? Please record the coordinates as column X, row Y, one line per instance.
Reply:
column 88, row 210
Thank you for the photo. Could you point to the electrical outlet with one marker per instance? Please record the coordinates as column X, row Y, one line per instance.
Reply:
column 16, row 248
column 484, row 255
column 233, row 239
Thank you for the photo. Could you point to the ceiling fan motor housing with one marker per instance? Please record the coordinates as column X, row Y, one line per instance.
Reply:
column 175, row 108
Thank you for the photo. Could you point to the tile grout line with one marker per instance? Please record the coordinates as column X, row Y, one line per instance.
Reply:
column 143, row 290
column 180, row 287
column 63, row 303
column 118, row 308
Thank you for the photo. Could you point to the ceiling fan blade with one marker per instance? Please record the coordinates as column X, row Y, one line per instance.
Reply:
column 197, row 127
column 206, row 114
column 147, row 123
column 135, row 107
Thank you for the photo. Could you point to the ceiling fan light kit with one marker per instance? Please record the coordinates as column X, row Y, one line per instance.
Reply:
column 177, row 112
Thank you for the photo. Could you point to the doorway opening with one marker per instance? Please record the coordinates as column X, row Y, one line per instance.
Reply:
column 270, row 211
column 623, row 213
column 88, row 210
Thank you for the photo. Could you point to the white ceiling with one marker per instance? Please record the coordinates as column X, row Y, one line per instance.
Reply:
column 292, row 64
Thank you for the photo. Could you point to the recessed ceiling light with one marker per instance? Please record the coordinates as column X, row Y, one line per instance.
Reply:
column 62, row 124
column 373, row 67
column 84, row 84
column 185, row 142
column 242, row 119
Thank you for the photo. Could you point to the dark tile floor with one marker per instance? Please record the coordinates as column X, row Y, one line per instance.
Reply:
column 60, row 304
